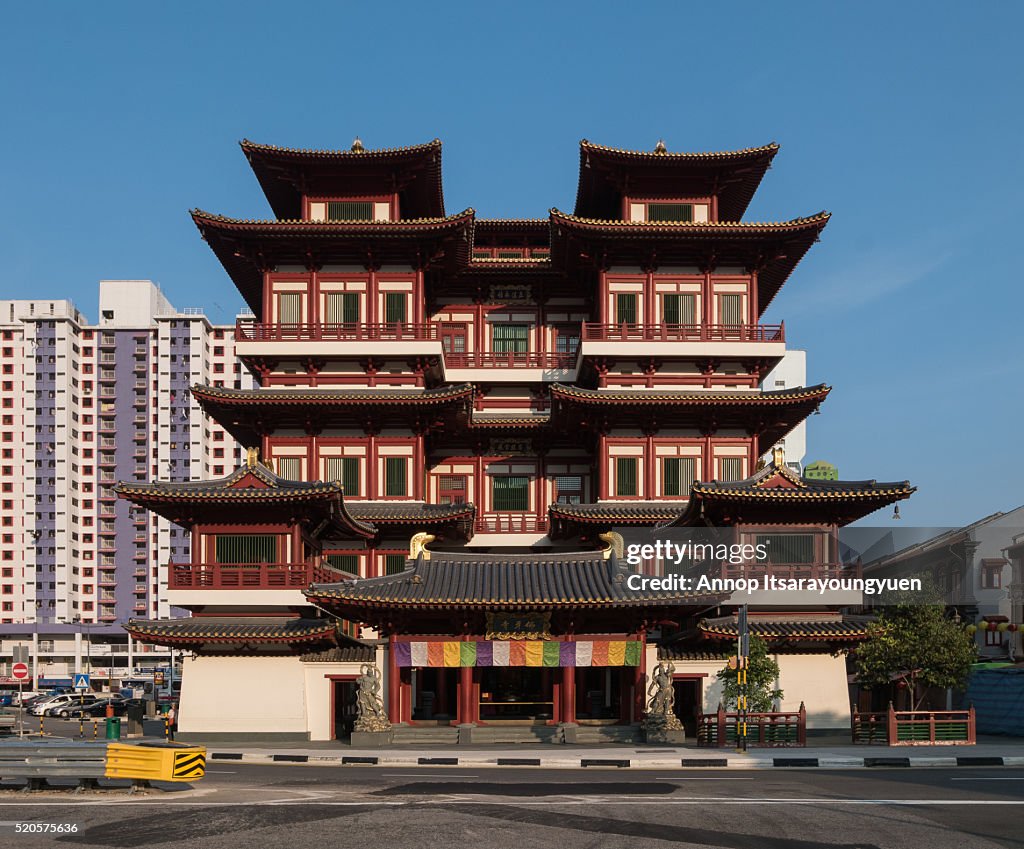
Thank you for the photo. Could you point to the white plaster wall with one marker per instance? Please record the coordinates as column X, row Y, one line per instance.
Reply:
column 819, row 681
column 235, row 694
column 318, row 695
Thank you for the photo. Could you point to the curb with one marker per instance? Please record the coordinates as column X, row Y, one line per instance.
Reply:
column 407, row 760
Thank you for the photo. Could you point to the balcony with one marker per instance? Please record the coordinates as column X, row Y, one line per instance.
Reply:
column 519, row 367
column 787, row 571
column 251, row 576
column 392, row 339
column 511, row 523
column 683, row 340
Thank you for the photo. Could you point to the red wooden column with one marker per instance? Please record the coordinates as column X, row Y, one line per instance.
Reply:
column 556, row 699
column 753, row 309
column 465, row 695
column 568, row 694
column 405, row 702
column 639, row 692
column 394, row 683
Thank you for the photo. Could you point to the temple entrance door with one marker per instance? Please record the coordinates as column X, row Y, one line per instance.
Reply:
column 344, row 705
column 689, row 702
column 516, row 694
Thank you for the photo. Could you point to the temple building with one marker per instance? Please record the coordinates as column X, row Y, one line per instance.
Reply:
column 456, row 422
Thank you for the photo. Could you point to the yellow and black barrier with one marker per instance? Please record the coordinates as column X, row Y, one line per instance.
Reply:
column 155, row 763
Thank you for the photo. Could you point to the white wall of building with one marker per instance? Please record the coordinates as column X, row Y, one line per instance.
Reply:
column 790, row 372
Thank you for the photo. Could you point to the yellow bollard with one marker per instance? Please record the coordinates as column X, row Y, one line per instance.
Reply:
column 41, row 732
column 95, row 728
column 167, row 728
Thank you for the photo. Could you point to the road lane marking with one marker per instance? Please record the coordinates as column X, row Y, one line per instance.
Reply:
column 716, row 778
column 1008, row 778
column 425, row 775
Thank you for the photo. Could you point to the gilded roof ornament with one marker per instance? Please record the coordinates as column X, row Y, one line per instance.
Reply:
column 252, row 457
column 357, row 145
column 778, row 456
column 660, row 147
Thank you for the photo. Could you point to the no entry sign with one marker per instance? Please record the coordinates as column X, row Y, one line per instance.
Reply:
column 19, row 672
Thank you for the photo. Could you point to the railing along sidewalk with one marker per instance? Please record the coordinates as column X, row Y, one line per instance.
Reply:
column 914, row 727
column 777, row 729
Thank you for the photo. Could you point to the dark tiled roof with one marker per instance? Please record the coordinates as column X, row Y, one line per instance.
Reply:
column 710, row 398
column 385, row 512
column 618, row 511
column 499, row 420
column 355, row 653
column 231, row 629
column 333, row 229
column 694, row 228
column 795, row 628
column 276, row 488
column 571, row 580
column 682, row 653
column 293, row 397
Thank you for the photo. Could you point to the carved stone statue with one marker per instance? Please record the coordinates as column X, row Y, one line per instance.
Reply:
column 369, row 704
column 661, row 724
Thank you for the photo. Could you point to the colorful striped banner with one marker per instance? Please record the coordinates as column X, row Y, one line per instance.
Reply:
column 539, row 653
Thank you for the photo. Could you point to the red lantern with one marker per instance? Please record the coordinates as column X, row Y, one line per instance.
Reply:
column 1011, row 627
column 901, row 685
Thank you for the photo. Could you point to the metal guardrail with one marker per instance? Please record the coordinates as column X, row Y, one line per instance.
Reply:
column 88, row 762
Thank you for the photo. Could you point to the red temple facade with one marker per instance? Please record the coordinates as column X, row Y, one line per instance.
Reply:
column 455, row 418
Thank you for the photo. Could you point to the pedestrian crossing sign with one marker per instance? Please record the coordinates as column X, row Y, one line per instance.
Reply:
column 81, row 680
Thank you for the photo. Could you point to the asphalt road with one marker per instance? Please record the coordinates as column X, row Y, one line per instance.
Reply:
column 506, row 808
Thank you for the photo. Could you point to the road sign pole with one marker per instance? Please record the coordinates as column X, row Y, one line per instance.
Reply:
column 21, row 710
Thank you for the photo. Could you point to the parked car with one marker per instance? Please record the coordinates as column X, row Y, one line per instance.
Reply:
column 49, row 706
column 63, row 709
column 98, row 708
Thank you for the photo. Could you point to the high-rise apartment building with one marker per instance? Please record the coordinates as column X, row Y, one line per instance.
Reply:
column 84, row 405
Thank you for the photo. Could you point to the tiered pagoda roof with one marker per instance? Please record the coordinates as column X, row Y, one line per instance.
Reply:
column 732, row 175
column 241, row 632
column 247, row 414
column 497, row 582
column 252, row 491
column 246, row 247
column 285, row 174
column 776, row 494
column 771, row 414
column 774, row 248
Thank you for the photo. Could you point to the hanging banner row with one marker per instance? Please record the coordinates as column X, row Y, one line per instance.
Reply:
column 520, row 653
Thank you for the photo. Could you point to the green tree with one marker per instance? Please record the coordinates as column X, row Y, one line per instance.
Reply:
column 918, row 645
column 762, row 673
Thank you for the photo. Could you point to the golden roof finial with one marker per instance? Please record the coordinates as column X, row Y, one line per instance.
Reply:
column 252, row 457
column 357, row 145
column 660, row 147
column 778, row 457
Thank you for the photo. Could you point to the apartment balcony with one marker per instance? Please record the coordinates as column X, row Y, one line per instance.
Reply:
column 683, row 340
column 323, row 338
column 518, row 367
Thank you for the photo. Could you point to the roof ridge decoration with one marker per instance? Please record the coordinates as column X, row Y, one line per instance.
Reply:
column 801, row 222
column 793, row 393
column 215, row 218
column 248, row 146
column 660, row 153
column 405, row 395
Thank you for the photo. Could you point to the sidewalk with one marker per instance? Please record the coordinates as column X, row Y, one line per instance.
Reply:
column 992, row 752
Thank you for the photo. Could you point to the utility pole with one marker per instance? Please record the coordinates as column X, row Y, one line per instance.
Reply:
column 742, row 662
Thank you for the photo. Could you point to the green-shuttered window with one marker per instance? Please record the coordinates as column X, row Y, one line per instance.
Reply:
column 677, row 475
column 349, row 210
column 395, row 476
column 730, row 469
column 511, row 492
column 670, row 212
column 732, row 309
column 788, row 548
column 510, row 338
column 289, row 308
column 679, row 309
column 347, row 563
column 346, row 470
column 246, row 548
column 626, row 475
column 342, row 308
column 394, row 563
column 395, row 307
column 289, row 468
column 625, row 308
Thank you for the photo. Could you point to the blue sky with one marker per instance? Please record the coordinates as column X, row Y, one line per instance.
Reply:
column 904, row 120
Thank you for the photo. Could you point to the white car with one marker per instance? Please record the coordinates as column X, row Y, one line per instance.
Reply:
column 55, row 704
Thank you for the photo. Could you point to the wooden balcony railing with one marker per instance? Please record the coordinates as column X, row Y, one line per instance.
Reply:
column 250, row 576
column 914, row 727
column 511, row 523
column 684, row 332
column 249, row 331
column 823, row 571
column 527, row 359
column 776, row 729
